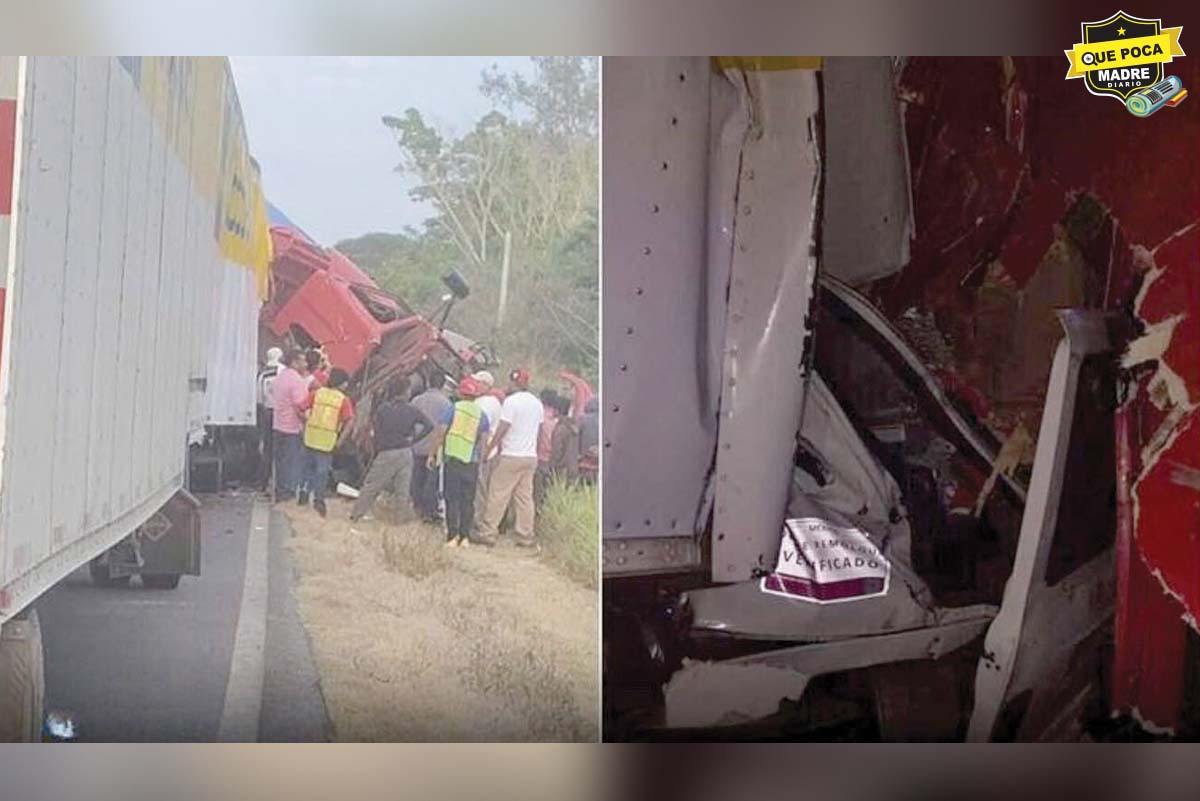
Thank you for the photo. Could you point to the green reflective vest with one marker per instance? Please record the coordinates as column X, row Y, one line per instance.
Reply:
column 463, row 431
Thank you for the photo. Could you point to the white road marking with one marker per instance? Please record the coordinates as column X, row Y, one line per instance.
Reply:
column 243, row 692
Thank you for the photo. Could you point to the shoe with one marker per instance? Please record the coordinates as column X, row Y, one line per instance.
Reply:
column 354, row 519
column 483, row 541
column 529, row 545
column 320, row 507
column 303, row 499
column 452, row 543
column 464, row 542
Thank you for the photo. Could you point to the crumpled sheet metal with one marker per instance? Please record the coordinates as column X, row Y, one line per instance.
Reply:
column 1030, row 193
column 1166, row 482
column 858, row 492
column 772, row 269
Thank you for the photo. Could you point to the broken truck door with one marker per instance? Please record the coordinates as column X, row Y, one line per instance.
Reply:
column 826, row 527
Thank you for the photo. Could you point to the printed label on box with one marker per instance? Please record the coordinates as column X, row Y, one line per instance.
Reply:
column 824, row 563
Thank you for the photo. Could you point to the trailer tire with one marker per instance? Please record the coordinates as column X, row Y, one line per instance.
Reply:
column 101, row 578
column 22, row 680
column 161, row 581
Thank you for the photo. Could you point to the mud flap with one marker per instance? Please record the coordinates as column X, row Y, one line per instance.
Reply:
column 169, row 542
column 22, row 680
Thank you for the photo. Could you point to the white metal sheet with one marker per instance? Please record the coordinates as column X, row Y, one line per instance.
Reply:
column 34, row 305
column 112, row 278
column 234, row 356
column 659, row 413
column 111, row 254
column 867, row 215
column 771, row 278
column 77, row 308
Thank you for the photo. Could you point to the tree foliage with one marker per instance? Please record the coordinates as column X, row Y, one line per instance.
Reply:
column 529, row 169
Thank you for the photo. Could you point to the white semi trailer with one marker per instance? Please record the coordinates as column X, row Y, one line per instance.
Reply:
column 135, row 253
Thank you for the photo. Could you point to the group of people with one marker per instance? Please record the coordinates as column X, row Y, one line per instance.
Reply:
column 481, row 452
column 304, row 414
column 463, row 445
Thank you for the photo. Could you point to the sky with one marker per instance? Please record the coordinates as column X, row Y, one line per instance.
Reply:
column 327, row 160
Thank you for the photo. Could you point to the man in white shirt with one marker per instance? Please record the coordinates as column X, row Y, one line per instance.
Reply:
column 266, row 414
column 490, row 404
column 511, row 474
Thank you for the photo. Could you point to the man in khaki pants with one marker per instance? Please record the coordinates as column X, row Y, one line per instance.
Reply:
column 511, row 474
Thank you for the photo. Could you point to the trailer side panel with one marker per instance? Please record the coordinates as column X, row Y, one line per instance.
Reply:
column 134, row 202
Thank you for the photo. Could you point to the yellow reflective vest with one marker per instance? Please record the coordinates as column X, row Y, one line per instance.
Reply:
column 463, row 431
column 321, row 430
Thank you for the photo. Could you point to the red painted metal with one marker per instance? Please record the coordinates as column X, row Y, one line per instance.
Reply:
column 1020, row 178
column 1148, row 624
column 8, row 134
column 320, row 291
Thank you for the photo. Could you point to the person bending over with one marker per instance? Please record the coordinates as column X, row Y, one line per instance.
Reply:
column 397, row 426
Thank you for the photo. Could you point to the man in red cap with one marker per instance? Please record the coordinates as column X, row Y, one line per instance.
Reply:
column 459, row 441
column 511, row 476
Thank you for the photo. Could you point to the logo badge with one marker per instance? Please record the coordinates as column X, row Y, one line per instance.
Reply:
column 156, row 527
column 1122, row 57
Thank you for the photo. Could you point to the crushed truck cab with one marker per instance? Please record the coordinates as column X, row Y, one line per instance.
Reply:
column 819, row 520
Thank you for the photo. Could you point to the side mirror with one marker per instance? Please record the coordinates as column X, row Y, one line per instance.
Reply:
column 457, row 285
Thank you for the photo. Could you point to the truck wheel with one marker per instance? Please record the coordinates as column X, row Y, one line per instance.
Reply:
column 22, row 680
column 160, row 581
column 101, row 578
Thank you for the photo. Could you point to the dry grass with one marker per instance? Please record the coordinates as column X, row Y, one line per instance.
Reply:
column 568, row 527
column 414, row 641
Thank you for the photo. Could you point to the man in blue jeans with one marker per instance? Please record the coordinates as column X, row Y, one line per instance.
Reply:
column 329, row 411
column 288, row 392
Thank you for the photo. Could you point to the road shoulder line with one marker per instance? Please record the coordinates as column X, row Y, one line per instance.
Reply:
column 244, row 688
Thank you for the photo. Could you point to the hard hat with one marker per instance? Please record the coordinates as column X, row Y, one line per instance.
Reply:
column 485, row 378
column 274, row 355
column 521, row 376
column 468, row 387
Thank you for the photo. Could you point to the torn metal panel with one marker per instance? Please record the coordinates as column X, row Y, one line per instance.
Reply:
column 867, row 218
column 1027, row 196
column 851, row 480
column 706, row 694
column 770, row 290
column 851, row 491
column 1042, row 619
column 932, row 381
column 1160, row 568
column 659, row 423
column 744, row 609
column 735, row 690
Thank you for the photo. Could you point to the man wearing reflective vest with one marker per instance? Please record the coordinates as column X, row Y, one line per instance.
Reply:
column 329, row 411
column 458, row 442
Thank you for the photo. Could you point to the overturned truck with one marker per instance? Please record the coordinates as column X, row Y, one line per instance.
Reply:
column 320, row 298
column 924, row 357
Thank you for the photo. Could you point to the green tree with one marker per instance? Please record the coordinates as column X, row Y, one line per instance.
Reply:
column 529, row 170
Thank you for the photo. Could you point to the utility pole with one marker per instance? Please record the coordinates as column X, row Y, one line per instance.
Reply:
column 504, row 279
